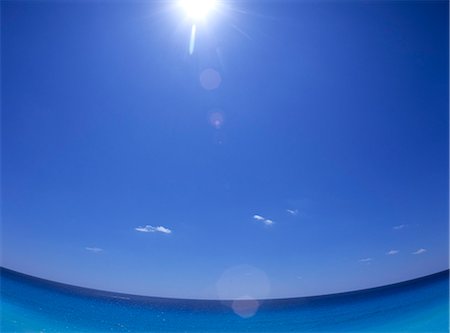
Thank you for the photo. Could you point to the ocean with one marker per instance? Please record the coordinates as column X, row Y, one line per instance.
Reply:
column 29, row 304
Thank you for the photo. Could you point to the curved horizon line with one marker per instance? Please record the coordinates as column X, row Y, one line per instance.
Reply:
column 126, row 296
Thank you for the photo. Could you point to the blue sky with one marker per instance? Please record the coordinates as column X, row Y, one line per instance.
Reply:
column 301, row 149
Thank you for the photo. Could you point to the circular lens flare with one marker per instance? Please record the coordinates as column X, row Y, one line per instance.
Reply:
column 197, row 9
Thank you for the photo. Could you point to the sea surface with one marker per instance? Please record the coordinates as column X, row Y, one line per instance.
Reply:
column 30, row 304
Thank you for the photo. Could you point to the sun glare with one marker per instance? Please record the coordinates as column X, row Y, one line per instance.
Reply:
column 197, row 9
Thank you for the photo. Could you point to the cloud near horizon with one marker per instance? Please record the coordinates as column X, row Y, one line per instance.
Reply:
column 149, row 228
column 93, row 249
column 420, row 251
column 263, row 220
column 392, row 252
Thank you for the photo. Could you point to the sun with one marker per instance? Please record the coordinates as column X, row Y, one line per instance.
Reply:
column 198, row 9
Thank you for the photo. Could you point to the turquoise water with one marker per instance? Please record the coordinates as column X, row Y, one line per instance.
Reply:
column 34, row 305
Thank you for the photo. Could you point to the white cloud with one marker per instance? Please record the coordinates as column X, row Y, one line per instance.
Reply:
column 163, row 230
column 268, row 222
column 94, row 249
column 392, row 252
column 145, row 229
column 263, row 219
column 420, row 251
column 149, row 228
column 398, row 227
column 293, row 212
column 365, row 260
column 258, row 218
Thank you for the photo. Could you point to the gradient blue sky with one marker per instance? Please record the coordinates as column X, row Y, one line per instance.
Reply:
column 335, row 111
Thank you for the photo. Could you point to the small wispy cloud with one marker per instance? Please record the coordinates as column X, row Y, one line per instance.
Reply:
column 398, row 227
column 365, row 260
column 268, row 222
column 392, row 252
column 149, row 228
column 258, row 218
column 263, row 220
column 293, row 212
column 420, row 251
column 93, row 249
